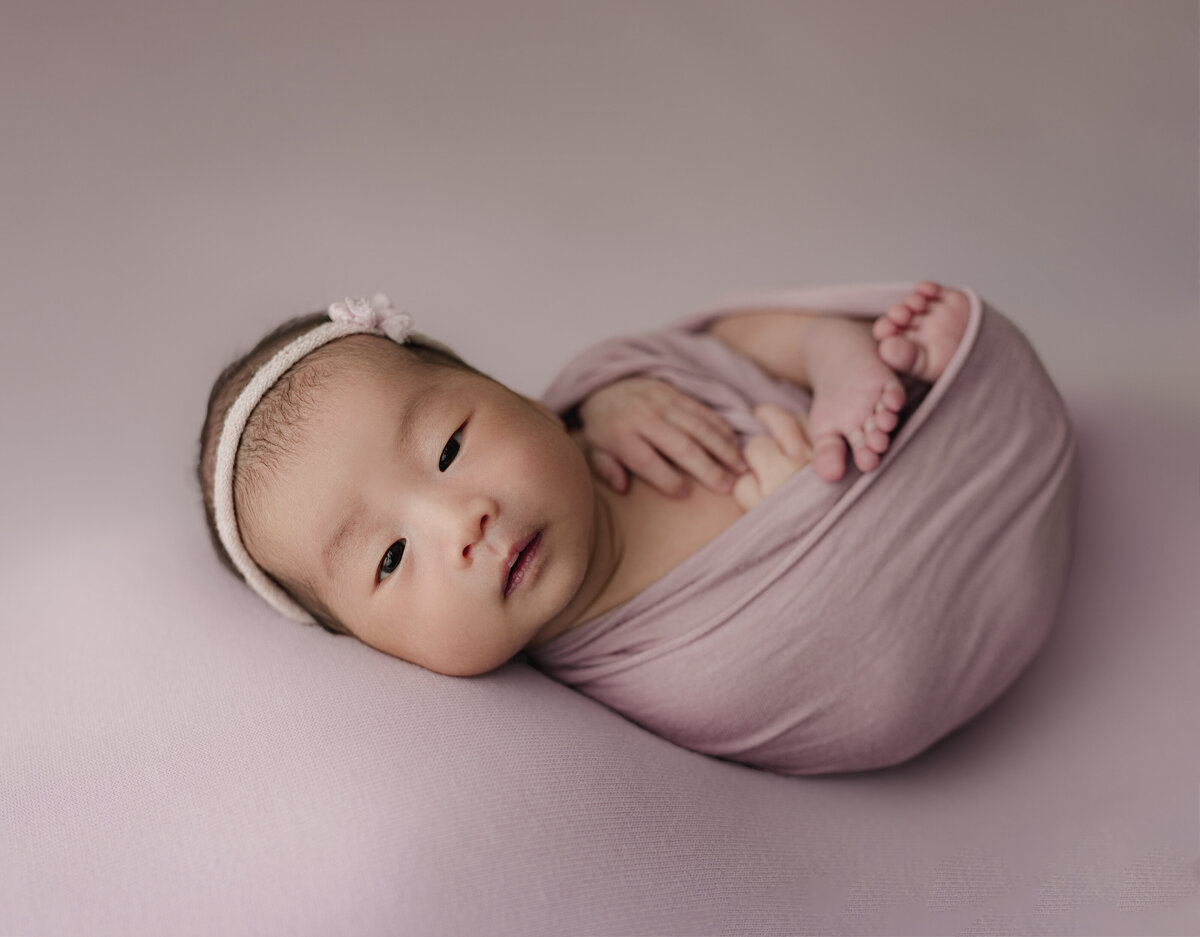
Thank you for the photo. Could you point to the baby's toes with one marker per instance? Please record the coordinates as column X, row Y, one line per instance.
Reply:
column 884, row 418
column 899, row 354
column 884, row 327
column 892, row 398
column 901, row 314
column 829, row 457
column 874, row 438
column 928, row 288
column 866, row 458
column 917, row 302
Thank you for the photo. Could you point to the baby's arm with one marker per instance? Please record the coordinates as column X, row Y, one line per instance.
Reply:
column 856, row 396
column 638, row 423
column 772, row 338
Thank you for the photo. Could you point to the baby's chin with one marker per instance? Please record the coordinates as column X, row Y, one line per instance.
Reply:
column 472, row 666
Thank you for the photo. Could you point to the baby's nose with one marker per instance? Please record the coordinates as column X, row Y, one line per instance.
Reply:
column 476, row 530
column 471, row 527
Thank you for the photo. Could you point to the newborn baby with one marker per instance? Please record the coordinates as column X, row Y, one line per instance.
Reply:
column 369, row 480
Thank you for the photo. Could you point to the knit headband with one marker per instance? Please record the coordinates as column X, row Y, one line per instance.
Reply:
column 375, row 316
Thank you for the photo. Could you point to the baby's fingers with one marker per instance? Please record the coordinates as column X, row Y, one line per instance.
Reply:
column 770, row 465
column 609, row 469
column 747, row 491
column 645, row 461
column 787, row 429
column 694, row 458
column 710, row 429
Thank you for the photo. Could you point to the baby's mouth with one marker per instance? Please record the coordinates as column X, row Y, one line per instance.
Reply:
column 520, row 566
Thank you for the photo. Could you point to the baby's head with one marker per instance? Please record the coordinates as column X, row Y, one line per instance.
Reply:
column 382, row 488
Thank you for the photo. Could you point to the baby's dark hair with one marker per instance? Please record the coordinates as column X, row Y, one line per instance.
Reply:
column 271, row 431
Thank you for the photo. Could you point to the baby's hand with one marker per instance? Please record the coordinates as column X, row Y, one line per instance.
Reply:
column 773, row 458
column 637, row 424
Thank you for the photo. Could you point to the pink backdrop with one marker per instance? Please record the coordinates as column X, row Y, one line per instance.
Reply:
column 528, row 177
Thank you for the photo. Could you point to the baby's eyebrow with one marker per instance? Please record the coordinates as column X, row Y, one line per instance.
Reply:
column 335, row 548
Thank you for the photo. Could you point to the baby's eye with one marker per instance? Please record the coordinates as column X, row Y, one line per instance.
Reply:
column 391, row 560
column 452, row 448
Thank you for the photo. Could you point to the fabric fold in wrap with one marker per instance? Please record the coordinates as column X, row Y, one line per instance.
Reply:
column 848, row 625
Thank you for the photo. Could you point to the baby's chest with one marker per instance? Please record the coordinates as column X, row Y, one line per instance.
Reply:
column 660, row 532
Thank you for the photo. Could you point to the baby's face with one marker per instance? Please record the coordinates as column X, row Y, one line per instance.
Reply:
column 441, row 475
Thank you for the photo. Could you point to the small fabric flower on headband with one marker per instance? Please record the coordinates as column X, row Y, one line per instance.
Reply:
column 374, row 313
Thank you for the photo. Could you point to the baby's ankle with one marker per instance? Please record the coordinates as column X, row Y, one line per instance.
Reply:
column 831, row 344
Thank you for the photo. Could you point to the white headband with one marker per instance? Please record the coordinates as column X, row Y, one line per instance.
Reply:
column 376, row 316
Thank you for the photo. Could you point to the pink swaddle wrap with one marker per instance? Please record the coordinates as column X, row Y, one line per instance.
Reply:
column 844, row 626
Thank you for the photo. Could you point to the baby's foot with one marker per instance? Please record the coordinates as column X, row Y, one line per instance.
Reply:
column 919, row 336
column 856, row 396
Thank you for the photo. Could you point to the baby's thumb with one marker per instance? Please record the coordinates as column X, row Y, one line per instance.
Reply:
column 788, row 429
column 747, row 491
column 609, row 470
